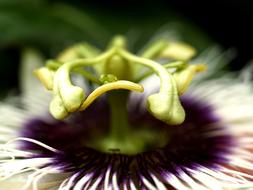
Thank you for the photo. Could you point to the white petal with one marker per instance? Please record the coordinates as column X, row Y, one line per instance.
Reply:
column 13, row 183
column 247, row 73
column 35, row 96
column 215, row 58
column 31, row 60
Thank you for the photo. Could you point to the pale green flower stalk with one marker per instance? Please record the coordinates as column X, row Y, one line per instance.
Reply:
column 154, row 120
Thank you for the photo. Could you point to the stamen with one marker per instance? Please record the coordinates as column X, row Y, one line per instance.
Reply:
column 72, row 96
column 80, row 50
column 55, row 65
column 164, row 105
column 87, row 75
column 45, row 76
column 176, row 64
column 68, row 98
column 184, row 77
column 178, row 51
column 57, row 108
column 172, row 65
column 154, row 49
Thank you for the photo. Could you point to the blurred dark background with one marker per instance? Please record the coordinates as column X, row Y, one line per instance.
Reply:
column 49, row 26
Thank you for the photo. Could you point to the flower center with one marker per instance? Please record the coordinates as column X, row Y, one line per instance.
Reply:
column 81, row 138
column 122, row 137
column 118, row 69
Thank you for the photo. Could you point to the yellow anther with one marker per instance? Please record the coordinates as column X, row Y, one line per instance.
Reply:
column 200, row 67
column 57, row 108
column 45, row 76
column 183, row 78
column 178, row 51
column 72, row 96
column 68, row 54
column 165, row 104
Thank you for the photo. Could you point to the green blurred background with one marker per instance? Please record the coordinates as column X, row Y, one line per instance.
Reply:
column 49, row 26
